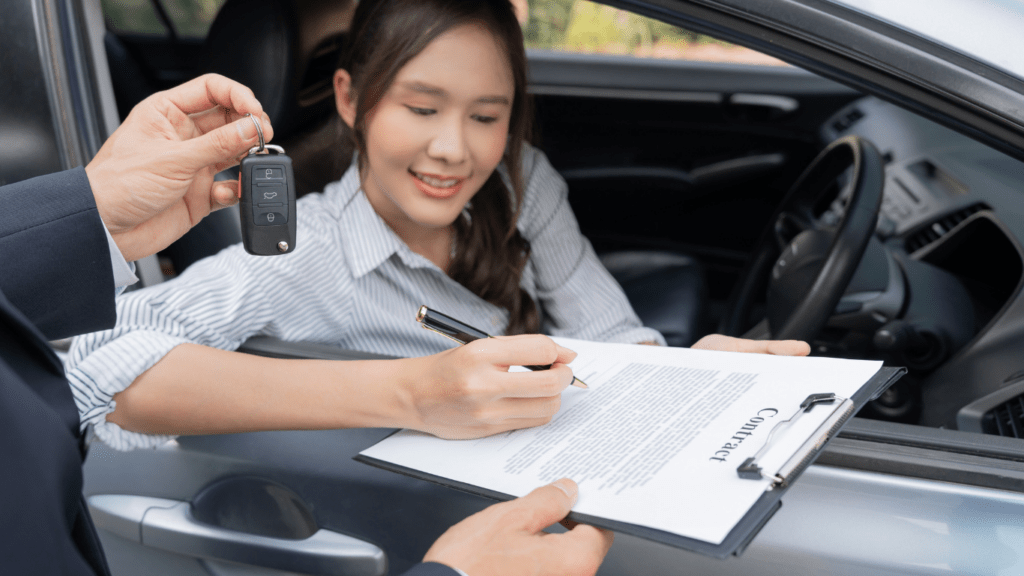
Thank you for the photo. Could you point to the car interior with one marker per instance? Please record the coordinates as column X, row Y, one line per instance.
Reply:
column 680, row 174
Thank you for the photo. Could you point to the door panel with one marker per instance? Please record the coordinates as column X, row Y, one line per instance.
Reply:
column 400, row 515
column 839, row 521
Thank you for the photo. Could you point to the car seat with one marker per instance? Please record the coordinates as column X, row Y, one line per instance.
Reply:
column 286, row 52
column 666, row 289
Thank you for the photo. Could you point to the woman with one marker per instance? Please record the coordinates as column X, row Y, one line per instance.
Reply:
column 445, row 205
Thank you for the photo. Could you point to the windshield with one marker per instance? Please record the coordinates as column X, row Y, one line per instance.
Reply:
column 991, row 31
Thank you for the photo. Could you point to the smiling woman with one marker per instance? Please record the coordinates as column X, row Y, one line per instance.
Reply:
column 456, row 106
column 445, row 205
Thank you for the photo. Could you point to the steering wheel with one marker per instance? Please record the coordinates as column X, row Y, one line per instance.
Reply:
column 806, row 261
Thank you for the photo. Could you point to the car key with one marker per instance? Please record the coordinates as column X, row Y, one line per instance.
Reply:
column 267, row 205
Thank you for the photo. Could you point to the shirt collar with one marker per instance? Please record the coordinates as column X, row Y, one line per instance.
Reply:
column 367, row 240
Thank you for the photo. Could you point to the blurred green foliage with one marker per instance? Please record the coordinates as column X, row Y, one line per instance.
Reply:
column 133, row 16
column 191, row 18
column 583, row 26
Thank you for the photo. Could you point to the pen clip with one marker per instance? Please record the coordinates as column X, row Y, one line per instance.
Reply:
column 445, row 334
column 447, row 326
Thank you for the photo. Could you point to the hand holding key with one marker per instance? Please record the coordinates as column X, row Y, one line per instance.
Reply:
column 266, row 187
column 153, row 178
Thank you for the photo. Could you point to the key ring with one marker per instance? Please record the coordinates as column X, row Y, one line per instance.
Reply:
column 259, row 131
column 263, row 147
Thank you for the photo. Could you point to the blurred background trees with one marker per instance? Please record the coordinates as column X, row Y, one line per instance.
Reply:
column 584, row 26
column 563, row 25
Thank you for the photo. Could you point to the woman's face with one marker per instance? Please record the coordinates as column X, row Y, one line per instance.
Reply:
column 439, row 131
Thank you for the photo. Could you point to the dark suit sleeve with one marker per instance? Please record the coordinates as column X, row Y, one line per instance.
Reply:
column 430, row 569
column 54, row 256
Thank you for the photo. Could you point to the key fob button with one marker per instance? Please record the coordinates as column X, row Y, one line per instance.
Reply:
column 270, row 217
column 263, row 193
column 264, row 173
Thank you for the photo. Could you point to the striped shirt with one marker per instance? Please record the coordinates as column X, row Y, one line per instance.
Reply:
column 350, row 282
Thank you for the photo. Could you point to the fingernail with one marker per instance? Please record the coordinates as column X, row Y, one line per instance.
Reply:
column 246, row 128
column 568, row 487
column 563, row 350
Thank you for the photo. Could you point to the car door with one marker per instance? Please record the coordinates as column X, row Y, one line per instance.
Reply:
column 296, row 502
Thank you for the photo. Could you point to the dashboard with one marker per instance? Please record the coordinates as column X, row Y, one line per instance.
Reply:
column 953, row 213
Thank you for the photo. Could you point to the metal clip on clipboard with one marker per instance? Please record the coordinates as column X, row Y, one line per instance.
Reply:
column 802, row 458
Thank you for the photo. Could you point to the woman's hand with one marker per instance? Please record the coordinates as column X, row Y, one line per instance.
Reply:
column 468, row 392
column 774, row 347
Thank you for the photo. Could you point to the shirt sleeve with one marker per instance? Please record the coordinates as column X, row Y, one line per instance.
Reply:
column 578, row 296
column 124, row 271
column 219, row 302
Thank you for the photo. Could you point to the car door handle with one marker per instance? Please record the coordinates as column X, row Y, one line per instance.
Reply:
column 781, row 105
column 169, row 525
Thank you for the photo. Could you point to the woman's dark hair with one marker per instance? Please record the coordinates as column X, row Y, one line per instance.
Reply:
column 490, row 253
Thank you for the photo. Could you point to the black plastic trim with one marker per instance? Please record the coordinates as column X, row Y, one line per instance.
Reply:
column 941, row 439
column 928, row 453
column 933, row 465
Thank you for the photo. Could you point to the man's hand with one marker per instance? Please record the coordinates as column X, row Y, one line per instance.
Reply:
column 507, row 539
column 468, row 392
column 153, row 178
column 773, row 347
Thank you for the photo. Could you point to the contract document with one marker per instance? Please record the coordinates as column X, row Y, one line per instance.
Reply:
column 656, row 440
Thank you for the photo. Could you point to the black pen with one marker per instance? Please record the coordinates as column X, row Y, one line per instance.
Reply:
column 464, row 333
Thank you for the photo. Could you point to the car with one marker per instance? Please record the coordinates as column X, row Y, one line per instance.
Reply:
column 690, row 180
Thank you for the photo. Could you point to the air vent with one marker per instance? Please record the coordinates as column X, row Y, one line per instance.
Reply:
column 846, row 121
column 939, row 228
column 1007, row 419
column 1000, row 413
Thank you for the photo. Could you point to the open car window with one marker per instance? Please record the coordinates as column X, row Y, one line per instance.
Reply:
column 585, row 27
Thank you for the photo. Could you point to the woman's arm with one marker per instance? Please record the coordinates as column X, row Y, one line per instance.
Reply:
column 167, row 360
column 465, row 392
column 218, row 302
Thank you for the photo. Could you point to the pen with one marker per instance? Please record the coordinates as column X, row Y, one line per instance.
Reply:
column 464, row 333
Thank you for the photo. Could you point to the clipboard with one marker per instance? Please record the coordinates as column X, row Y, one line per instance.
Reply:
column 756, row 517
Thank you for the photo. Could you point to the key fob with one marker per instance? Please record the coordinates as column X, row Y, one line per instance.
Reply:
column 267, row 205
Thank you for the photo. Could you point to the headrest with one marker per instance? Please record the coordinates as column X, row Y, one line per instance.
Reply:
column 285, row 51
